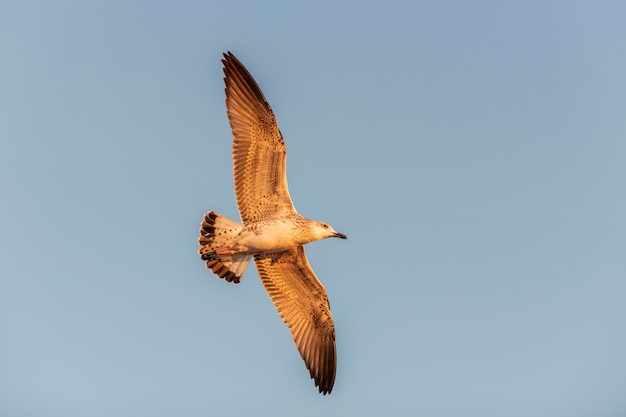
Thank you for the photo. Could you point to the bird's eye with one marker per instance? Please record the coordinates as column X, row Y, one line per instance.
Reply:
column 325, row 226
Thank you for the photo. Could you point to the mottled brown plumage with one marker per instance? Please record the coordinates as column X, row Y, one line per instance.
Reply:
column 272, row 231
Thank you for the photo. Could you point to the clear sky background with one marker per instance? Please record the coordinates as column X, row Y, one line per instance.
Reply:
column 473, row 152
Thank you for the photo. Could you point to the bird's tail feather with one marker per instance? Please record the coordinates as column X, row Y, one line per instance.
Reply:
column 217, row 231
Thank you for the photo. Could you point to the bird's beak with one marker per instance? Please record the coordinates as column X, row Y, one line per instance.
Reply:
column 340, row 236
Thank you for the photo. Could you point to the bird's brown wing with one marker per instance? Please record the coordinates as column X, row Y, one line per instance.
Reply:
column 259, row 154
column 302, row 303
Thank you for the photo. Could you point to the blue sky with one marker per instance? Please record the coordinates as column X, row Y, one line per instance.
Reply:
column 473, row 152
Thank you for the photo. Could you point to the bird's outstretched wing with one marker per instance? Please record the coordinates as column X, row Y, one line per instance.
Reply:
column 259, row 154
column 301, row 301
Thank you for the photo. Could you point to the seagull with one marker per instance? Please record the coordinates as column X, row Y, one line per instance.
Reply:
column 271, row 230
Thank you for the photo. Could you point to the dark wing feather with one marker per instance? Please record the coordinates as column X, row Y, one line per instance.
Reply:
column 302, row 303
column 259, row 154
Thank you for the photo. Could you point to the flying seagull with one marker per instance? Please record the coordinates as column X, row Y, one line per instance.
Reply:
column 272, row 231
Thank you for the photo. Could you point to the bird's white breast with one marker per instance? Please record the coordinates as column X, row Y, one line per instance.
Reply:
column 272, row 236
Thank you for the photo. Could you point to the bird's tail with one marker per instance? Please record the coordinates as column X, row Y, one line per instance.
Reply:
column 217, row 231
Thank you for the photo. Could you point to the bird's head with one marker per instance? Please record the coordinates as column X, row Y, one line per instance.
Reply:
column 321, row 230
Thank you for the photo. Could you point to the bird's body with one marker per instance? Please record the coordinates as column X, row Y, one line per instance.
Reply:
column 272, row 231
column 272, row 236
